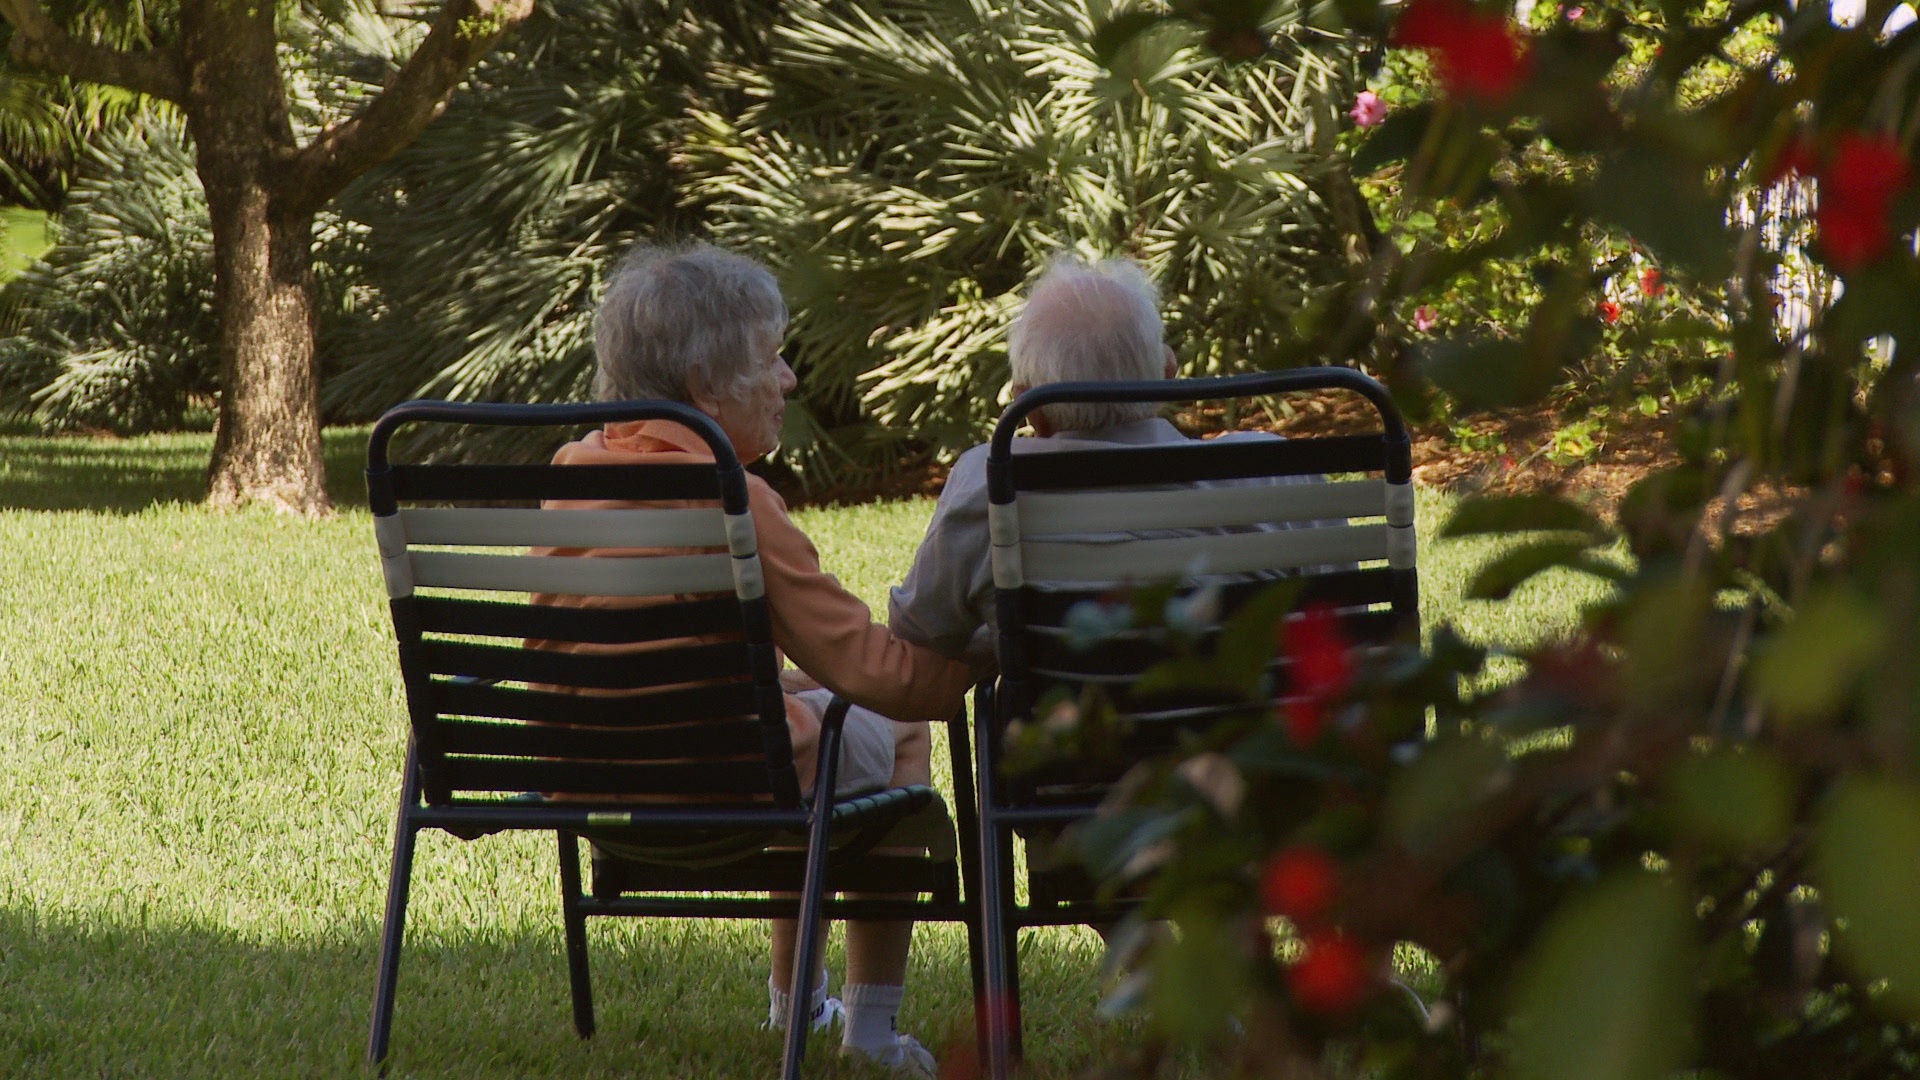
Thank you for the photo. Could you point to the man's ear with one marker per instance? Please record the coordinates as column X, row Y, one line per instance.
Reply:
column 1173, row 362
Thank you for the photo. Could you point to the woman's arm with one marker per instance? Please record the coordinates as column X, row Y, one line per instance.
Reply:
column 831, row 635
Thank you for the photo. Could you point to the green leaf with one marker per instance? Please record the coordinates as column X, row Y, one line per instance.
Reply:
column 1489, row 373
column 1394, row 140
column 1122, row 30
column 1807, row 667
column 1520, row 513
column 1431, row 794
column 1864, row 861
column 1740, row 802
column 1198, row 978
column 1886, row 301
column 1246, row 641
column 1661, row 629
column 1513, row 568
column 1662, row 202
column 1605, row 994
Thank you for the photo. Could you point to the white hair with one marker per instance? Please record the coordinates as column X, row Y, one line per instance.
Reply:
column 1089, row 322
column 680, row 321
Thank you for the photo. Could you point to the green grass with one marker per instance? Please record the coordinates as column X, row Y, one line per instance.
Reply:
column 201, row 732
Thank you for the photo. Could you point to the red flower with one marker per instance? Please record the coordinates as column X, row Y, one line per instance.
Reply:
column 1331, row 976
column 1299, row 883
column 1321, row 668
column 1650, row 282
column 1305, row 718
column 1852, row 234
column 1863, row 176
column 1476, row 54
column 1865, row 168
column 1609, row 312
column 1796, row 158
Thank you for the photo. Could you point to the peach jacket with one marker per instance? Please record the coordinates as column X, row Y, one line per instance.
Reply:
column 826, row 631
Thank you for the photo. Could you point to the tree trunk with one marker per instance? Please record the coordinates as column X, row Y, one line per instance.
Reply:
column 263, row 191
column 267, row 438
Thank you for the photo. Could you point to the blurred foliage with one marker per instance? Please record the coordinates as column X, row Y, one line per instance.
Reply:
column 1680, row 842
column 910, row 166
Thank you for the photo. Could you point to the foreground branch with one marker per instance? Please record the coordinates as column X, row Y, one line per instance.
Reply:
column 41, row 44
column 461, row 35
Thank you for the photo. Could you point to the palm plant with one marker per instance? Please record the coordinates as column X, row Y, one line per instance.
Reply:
column 906, row 166
column 485, row 241
column 909, row 165
column 112, row 328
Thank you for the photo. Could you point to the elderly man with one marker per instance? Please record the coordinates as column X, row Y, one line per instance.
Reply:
column 702, row 326
column 1081, row 322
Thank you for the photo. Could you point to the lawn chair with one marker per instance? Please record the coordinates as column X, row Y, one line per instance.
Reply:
column 678, row 752
column 1073, row 526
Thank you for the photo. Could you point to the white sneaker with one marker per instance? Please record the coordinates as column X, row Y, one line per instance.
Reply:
column 827, row 1013
column 904, row 1055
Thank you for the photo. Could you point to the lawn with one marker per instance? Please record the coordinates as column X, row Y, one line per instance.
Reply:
column 200, row 738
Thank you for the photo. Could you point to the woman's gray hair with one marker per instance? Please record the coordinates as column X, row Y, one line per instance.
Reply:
column 1089, row 322
column 680, row 321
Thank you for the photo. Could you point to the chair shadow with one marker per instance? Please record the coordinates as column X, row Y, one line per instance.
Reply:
column 126, row 476
column 85, row 1000
column 673, row 1000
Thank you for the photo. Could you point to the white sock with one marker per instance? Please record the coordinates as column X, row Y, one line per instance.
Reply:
column 872, row 1015
column 779, row 1002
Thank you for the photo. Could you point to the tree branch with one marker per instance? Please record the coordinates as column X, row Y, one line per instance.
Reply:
column 461, row 35
column 41, row 44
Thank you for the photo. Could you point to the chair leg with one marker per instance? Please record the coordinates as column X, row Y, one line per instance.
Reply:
column 399, row 876
column 576, row 932
column 966, row 813
column 995, row 1006
column 1010, row 954
column 813, row 893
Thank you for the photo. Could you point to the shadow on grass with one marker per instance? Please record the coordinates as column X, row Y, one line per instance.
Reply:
column 673, row 999
column 132, row 1000
column 125, row 476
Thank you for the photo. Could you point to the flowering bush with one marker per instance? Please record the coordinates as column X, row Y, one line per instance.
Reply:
column 1683, row 839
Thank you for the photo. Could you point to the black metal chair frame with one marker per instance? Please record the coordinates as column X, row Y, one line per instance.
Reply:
column 460, row 680
column 1005, row 805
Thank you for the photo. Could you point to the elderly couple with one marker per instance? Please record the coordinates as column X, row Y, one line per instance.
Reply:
column 702, row 326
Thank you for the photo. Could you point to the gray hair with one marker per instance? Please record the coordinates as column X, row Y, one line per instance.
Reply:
column 1089, row 322
column 680, row 321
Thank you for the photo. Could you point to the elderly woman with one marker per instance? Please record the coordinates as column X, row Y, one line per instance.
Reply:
column 702, row 326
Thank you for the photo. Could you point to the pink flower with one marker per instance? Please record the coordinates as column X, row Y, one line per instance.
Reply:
column 1368, row 110
column 1574, row 13
column 1424, row 319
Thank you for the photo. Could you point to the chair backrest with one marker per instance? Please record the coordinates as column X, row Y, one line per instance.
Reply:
column 648, row 670
column 1071, row 526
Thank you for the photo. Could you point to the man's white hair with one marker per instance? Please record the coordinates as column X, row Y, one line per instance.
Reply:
column 680, row 321
column 1089, row 322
